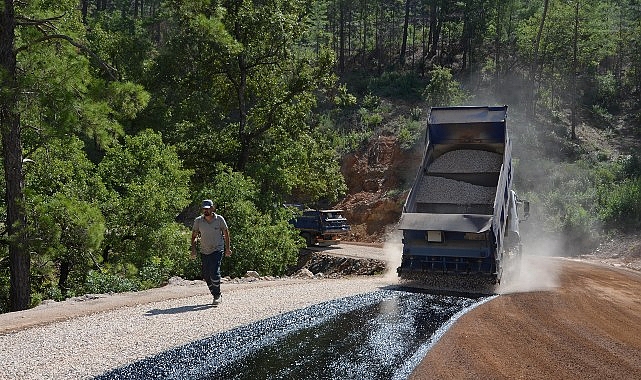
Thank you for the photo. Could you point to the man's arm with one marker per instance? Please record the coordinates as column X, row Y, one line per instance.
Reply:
column 194, row 236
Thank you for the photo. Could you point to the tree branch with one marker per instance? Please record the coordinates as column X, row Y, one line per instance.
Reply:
column 110, row 70
column 22, row 20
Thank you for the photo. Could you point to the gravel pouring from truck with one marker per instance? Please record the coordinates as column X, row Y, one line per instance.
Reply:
column 460, row 217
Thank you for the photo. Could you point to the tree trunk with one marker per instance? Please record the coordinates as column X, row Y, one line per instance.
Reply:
column 244, row 136
column 575, row 66
column 435, row 29
column 406, row 22
column 341, row 38
column 530, row 108
column 19, row 257
column 65, row 269
column 377, row 27
column 364, row 17
column 84, row 8
column 497, row 46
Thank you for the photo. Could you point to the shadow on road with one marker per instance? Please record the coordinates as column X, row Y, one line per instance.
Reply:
column 177, row 310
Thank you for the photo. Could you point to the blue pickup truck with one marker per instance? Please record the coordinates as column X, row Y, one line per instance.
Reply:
column 321, row 227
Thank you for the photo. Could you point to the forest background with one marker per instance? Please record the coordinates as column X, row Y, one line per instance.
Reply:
column 119, row 116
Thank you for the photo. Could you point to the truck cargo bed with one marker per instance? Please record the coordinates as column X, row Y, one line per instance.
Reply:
column 456, row 215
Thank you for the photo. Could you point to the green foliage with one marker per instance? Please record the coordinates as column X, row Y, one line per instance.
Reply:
column 4, row 280
column 606, row 94
column 602, row 117
column 238, row 85
column 400, row 85
column 148, row 187
column 565, row 200
column 443, row 90
column 369, row 119
column 100, row 283
column 371, row 102
column 353, row 140
column 63, row 192
column 62, row 166
column 621, row 204
column 124, row 41
column 317, row 177
column 620, row 194
column 69, row 232
column 631, row 166
column 410, row 133
column 262, row 242
column 61, row 93
column 343, row 98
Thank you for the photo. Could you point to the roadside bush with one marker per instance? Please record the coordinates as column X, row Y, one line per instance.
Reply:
column 631, row 166
column 99, row 283
column 170, row 258
column 148, row 187
column 565, row 203
column 409, row 133
column 4, row 284
column 621, row 204
column 156, row 272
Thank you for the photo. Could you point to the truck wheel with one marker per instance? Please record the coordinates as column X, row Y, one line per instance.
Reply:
column 309, row 239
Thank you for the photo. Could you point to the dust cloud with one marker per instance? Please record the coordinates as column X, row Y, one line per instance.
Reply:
column 392, row 252
column 536, row 270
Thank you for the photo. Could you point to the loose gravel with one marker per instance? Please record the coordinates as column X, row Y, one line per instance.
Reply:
column 437, row 189
column 87, row 346
column 443, row 190
column 467, row 161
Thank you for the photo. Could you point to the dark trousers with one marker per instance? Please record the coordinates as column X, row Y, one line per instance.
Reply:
column 211, row 271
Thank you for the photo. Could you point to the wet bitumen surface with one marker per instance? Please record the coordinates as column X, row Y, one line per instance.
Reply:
column 379, row 335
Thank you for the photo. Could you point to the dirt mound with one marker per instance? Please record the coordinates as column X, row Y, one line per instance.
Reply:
column 327, row 265
column 378, row 179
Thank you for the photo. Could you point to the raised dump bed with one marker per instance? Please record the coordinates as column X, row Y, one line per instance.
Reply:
column 460, row 215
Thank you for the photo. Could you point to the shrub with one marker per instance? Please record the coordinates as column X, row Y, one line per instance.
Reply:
column 404, row 85
column 621, row 204
column 409, row 133
column 98, row 282
column 443, row 90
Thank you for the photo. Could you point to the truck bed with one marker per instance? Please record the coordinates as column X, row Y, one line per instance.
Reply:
column 460, row 181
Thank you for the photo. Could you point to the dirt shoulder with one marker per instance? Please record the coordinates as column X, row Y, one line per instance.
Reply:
column 586, row 326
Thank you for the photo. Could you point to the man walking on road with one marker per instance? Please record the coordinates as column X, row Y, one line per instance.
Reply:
column 212, row 230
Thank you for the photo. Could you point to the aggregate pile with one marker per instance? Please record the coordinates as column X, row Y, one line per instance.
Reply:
column 467, row 161
column 443, row 190
column 437, row 189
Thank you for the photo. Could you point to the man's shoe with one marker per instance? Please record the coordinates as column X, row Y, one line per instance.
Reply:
column 217, row 300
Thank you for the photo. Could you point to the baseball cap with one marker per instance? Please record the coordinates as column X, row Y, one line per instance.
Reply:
column 207, row 203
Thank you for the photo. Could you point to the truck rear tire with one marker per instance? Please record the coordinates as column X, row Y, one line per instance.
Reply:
column 309, row 239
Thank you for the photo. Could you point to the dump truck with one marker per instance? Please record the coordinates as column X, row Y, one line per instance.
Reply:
column 321, row 227
column 460, row 221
